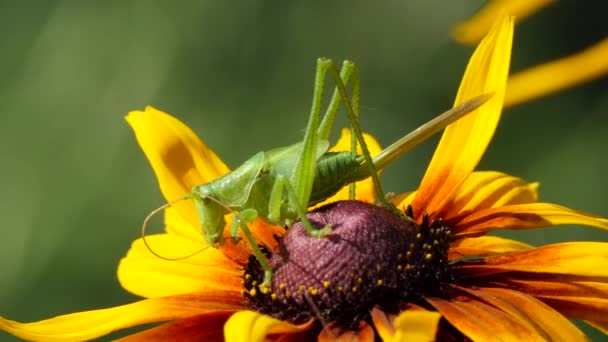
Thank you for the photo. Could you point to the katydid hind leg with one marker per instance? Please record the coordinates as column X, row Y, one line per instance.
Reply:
column 352, row 110
column 330, row 114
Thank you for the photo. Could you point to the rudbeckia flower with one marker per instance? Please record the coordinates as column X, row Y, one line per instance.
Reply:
column 433, row 277
column 543, row 79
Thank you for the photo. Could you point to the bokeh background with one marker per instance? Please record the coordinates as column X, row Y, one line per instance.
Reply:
column 75, row 185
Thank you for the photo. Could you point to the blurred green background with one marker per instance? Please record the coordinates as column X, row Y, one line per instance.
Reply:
column 75, row 186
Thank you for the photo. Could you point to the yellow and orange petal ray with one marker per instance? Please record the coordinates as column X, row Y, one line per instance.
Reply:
column 550, row 324
column 383, row 323
column 484, row 246
column 472, row 30
column 575, row 296
column 588, row 259
column 553, row 76
column 481, row 190
column 488, row 189
column 91, row 324
column 484, row 322
column 253, row 326
column 330, row 333
column 178, row 157
column 144, row 274
column 464, row 142
column 208, row 327
column 523, row 216
column 364, row 188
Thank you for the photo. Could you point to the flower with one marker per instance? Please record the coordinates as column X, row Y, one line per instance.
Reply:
column 543, row 79
column 491, row 287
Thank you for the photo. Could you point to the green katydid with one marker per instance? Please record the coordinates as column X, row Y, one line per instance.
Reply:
column 279, row 185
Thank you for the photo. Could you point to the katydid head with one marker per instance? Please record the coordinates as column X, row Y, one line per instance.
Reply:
column 210, row 214
column 210, row 241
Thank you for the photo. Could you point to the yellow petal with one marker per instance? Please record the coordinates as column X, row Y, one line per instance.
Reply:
column 144, row 274
column 548, row 322
column 484, row 246
column 178, row 225
column 364, row 188
column 472, row 30
column 416, row 326
column 179, row 158
column 253, row 326
column 524, row 216
column 464, row 142
column 91, row 324
column 587, row 259
column 557, row 75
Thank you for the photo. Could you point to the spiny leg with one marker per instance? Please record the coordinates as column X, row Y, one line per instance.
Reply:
column 332, row 110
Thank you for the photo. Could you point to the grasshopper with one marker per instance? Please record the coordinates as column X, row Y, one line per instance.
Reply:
column 279, row 185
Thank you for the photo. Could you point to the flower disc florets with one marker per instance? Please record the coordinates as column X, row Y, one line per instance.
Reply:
column 372, row 257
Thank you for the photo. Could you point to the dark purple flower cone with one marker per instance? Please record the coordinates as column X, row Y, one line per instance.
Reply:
column 372, row 257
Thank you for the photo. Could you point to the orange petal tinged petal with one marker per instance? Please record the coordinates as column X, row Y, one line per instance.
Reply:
column 207, row 327
column 483, row 322
column 587, row 259
column 524, row 216
column 548, row 322
column 91, row 324
column 485, row 246
column 383, row 323
column 464, row 142
column 489, row 189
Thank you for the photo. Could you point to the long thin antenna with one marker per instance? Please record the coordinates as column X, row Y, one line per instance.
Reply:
column 144, row 228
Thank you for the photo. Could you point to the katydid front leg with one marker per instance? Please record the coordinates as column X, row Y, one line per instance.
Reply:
column 240, row 220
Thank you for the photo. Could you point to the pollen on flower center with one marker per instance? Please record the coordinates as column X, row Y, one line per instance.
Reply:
column 372, row 257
